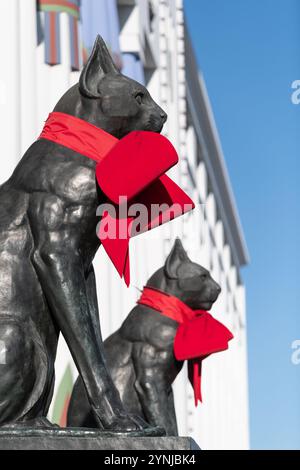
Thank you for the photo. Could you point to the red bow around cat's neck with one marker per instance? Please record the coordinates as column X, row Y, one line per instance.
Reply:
column 198, row 335
column 133, row 167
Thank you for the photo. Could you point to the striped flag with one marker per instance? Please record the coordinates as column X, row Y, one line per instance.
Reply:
column 62, row 398
column 51, row 10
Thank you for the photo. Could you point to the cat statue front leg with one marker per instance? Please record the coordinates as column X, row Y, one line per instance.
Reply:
column 70, row 293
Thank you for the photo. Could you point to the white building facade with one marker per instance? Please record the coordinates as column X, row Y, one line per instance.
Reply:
column 155, row 45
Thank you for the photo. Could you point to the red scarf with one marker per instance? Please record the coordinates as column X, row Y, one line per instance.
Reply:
column 133, row 167
column 198, row 334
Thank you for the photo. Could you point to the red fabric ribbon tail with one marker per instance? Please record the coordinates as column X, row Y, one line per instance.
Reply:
column 195, row 368
column 117, row 248
column 126, row 272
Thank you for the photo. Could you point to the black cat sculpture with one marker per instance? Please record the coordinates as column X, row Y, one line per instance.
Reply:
column 140, row 354
column 48, row 242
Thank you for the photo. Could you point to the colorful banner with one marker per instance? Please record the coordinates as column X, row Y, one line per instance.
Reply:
column 62, row 398
column 51, row 10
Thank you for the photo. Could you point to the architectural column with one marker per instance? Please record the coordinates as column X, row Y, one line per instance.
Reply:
column 10, row 87
column 29, row 126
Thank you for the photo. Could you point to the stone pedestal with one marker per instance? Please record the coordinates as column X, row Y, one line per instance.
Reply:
column 77, row 439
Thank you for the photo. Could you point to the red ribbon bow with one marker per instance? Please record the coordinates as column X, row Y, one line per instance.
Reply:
column 128, row 170
column 198, row 335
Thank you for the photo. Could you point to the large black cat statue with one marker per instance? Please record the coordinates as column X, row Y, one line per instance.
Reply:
column 169, row 324
column 48, row 242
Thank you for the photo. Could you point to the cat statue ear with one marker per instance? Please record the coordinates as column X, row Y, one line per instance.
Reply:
column 98, row 65
column 176, row 257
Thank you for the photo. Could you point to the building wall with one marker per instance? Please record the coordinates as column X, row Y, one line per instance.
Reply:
column 29, row 89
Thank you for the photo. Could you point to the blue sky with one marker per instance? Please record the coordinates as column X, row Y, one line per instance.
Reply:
column 249, row 52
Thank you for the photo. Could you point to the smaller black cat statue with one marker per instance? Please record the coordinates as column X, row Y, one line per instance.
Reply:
column 48, row 241
column 169, row 324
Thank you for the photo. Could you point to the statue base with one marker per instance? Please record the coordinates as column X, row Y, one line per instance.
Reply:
column 85, row 439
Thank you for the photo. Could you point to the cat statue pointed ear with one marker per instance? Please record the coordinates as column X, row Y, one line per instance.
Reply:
column 99, row 64
column 177, row 256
